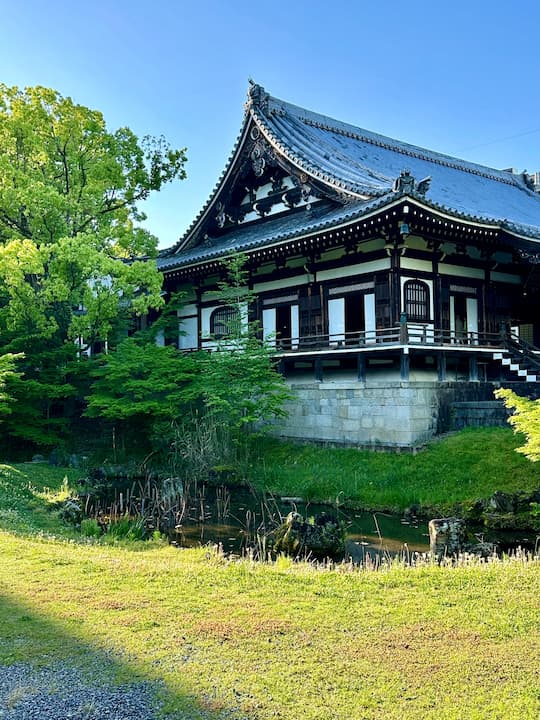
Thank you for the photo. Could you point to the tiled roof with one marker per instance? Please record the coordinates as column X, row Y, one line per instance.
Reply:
column 272, row 231
column 363, row 166
column 358, row 160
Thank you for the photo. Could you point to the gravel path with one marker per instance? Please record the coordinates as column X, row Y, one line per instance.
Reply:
column 63, row 693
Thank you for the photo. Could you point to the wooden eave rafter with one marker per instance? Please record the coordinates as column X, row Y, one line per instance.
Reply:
column 333, row 236
column 423, row 220
column 434, row 225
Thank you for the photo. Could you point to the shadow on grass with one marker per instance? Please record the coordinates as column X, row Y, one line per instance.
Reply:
column 40, row 648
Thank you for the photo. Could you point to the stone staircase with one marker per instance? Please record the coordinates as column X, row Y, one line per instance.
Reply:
column 519, row 358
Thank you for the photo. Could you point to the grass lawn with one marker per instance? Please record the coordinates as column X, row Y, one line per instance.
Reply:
column 242, row 640
column 458, row 468
column 246, row 641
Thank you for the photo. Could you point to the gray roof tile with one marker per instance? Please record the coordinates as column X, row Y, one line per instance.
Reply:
column 363, row 165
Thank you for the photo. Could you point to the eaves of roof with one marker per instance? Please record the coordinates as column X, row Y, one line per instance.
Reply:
column 272, row 232
column 302, row 224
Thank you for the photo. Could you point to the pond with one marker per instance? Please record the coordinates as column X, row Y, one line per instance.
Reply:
column 231, row 516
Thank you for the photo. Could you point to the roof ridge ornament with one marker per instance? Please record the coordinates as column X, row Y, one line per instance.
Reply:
column 406, row 183
column 257, row 96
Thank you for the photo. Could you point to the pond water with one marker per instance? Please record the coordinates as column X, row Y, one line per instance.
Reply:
column 231, row 516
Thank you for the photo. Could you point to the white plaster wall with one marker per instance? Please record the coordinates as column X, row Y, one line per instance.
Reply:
column 188, row 332
column 295, row 325
column 359, row 269
column 460, row 271
column 505, row 277
column 269, row 325
column 472, row 319
column 369, row 317
column 205, row 321
column 291, row 283
column 336, row 320
column 188, row 327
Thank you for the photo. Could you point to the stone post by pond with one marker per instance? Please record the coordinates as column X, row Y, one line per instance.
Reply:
column 446, row 536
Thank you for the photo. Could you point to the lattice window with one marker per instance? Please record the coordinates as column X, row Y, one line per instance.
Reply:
column 416, row 301
column 224, row 321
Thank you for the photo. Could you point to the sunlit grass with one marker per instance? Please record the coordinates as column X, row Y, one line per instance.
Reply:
column 239, row 639
column 236, row 639
column 458, row 468
column 28, row 494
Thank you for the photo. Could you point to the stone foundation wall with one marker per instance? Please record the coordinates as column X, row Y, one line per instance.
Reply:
column 479, row 414
column 386, row 414
column 352, row 413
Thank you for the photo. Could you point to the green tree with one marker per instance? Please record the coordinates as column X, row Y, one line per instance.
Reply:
column 141, row 385
column 242, row 386
column 7, row 372
column 525, row 419
column 74, row 264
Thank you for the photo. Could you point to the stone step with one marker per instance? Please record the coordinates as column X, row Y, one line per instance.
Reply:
column 531, row 378
column 506, row 361
column 498, row 355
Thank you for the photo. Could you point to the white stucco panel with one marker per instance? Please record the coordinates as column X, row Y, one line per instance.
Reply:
column 336, row 320
column 188, row 332
column 295, row 325
column 269, row 325
column 460, row 271
column 414, row 264
column 359, row 269
column 505, row 278
column 205, row 320
column 282, row 284
column 369, row 317
column 187, row 310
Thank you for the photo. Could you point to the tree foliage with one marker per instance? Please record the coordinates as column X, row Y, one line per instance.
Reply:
column 185, row 399
column 7, row 372
column 69, row 194
column 525, row 419
column 144, row 381
column 241, row 383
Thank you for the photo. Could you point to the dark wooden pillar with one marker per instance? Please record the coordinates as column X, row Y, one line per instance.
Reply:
column 395, row 284
column 318, row 369
column 441, row 367
column 404, row 366
column 361, row 367
column 437, row 319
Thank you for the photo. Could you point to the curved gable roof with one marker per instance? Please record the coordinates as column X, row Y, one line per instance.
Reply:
column 358, row 159
column 362, row 166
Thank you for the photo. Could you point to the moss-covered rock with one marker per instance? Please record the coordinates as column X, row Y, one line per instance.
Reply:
column 320, row 537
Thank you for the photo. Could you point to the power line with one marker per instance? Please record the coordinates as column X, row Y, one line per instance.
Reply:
column 499, row 140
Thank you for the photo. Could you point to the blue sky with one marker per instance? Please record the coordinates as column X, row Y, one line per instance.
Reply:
column 458, row 77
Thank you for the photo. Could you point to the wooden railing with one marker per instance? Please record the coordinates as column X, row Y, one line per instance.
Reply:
column 521, row 348
column 410, row 335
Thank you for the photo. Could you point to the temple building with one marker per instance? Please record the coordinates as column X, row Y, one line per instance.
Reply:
column 398, row 285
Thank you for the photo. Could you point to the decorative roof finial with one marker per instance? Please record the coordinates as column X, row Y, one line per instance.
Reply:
column 256, row 95
column 406, row 183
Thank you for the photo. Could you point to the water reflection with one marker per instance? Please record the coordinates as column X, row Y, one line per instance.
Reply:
column 232, row 516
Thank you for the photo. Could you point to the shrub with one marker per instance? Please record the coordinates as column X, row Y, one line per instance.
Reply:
column 90, row 528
